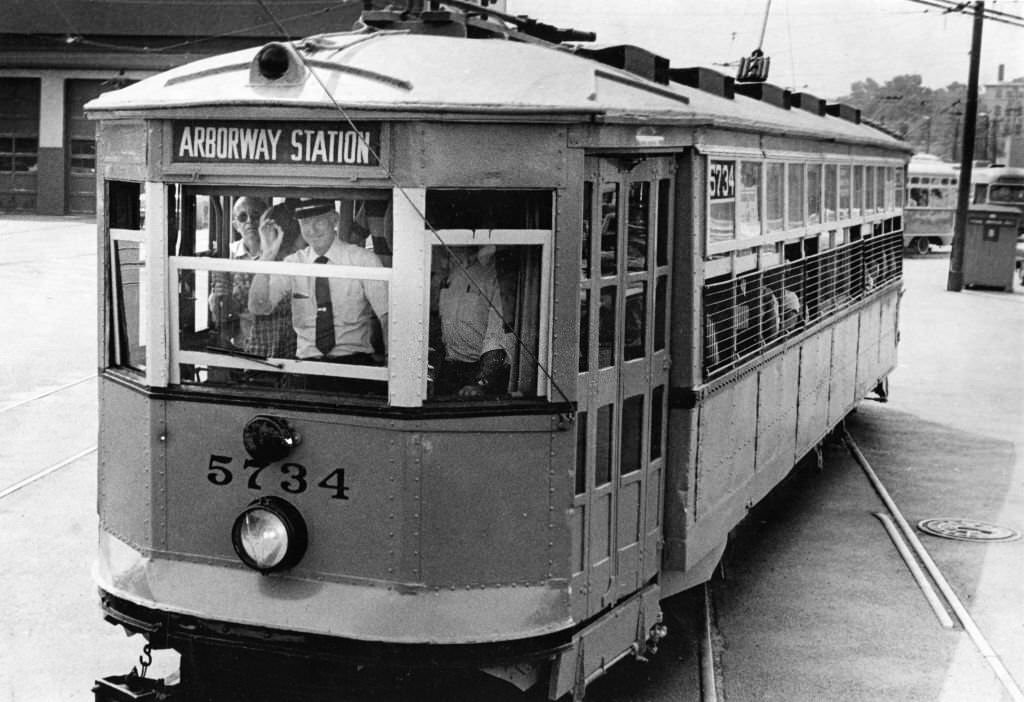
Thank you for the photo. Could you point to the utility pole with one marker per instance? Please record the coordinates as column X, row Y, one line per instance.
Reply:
column 955, row 279
column 956, row 138
column 993, row 153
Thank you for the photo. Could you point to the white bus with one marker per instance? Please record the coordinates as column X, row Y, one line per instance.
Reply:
column 930, row 210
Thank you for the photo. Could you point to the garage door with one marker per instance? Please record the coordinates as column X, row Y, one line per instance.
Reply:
column 19, row 144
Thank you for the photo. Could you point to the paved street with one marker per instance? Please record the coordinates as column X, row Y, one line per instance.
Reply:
column 53, row 641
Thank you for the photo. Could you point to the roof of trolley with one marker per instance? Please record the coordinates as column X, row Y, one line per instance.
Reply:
column 374, row 71
column 984, row 175
column 933, row 165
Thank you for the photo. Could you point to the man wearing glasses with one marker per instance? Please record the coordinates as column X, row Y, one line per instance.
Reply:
column 230, row 292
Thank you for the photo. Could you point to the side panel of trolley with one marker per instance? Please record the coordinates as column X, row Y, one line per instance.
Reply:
column 766, row 392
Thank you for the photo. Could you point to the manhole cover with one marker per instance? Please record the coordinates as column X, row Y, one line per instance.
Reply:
column 967, row 530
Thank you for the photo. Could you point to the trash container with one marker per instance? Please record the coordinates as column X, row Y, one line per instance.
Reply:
column 990, row 244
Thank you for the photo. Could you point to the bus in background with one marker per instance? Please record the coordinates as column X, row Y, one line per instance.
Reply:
column 930, row 210
column 998, row 185
column 1002, row 185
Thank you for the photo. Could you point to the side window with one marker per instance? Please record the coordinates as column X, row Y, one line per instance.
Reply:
column 814, row 193
column 858, row 190
column 775, row 202
column 883, row 187
column 831, row 191
column 869, row 188
column 795, row 196
column 722, row 196
column 487, row 281
column 844, row 192
column 749, row 200
column 128, row 283
column 484, row 321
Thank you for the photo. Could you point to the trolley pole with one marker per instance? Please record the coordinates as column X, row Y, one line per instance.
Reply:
column 955, row 279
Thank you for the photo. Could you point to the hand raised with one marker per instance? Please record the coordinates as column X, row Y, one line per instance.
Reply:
column 271, row 238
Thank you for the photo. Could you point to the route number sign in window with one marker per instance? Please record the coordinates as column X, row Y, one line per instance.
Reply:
column 722, row 180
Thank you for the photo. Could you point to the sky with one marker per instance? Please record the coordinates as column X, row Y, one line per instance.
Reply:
column 820, row 47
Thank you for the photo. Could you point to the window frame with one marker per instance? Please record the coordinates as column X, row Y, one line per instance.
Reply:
column 737, row 255
column 542, row 238
column 112, row 333
column 408, row 281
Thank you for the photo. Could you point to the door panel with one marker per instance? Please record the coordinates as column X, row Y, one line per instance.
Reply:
column 624, row 278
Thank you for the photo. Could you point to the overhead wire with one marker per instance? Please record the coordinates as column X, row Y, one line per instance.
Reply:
column 967, row 8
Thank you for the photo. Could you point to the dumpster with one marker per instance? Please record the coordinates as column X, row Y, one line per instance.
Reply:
column 990, row 246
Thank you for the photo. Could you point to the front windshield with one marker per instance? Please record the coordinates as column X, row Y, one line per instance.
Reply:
column 1011, row 194
column 343, row 291
column 250, row 292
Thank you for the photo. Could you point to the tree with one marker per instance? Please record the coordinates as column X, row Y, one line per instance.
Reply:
column 929, row 119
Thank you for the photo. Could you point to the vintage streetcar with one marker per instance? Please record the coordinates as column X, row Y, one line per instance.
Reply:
column 930, row 212
column 695, row 279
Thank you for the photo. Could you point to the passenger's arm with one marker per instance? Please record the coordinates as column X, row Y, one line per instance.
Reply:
column 220, row 286
column 263, row 295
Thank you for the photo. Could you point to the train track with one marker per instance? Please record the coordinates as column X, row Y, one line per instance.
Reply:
column 49, row 470
column 54, row 391
column 45, row 472
column 947, row 606
column 916, row 553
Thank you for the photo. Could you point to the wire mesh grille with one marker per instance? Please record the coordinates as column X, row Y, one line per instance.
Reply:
column 746, row 315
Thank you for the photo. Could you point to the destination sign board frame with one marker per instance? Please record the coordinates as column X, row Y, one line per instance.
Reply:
column 313, row 148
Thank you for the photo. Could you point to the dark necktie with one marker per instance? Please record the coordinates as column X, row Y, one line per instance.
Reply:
column 324, row 313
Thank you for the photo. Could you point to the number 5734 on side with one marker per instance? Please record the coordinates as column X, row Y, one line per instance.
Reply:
column 293, row 478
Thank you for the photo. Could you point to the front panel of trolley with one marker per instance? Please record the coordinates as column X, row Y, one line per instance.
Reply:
column 396, row 481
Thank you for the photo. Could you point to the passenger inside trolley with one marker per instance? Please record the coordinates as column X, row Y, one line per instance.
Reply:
column 272, row 334
column 229, row 309
column 246, row 315
column 334, row 320
column 470, row 342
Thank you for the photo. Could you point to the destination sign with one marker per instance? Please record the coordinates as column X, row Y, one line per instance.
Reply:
column 309, row 143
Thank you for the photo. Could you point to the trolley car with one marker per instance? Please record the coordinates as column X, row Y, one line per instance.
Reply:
column 998, row 185
column 698, row 281
column 930, row 212
column 1004, row 186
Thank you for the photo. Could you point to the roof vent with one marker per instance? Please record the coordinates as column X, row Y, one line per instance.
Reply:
column 766, row 92
column 631, row 58
column 705, row 79
column 847, row 112
column 277, row 64
column 806, row 101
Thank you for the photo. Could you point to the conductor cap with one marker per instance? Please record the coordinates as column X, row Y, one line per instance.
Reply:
column 313, row 208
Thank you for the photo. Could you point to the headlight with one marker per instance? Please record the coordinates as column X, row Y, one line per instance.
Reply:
column 269, row 535
column 269, row 439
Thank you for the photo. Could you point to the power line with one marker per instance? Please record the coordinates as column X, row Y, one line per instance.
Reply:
column 967, row 8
